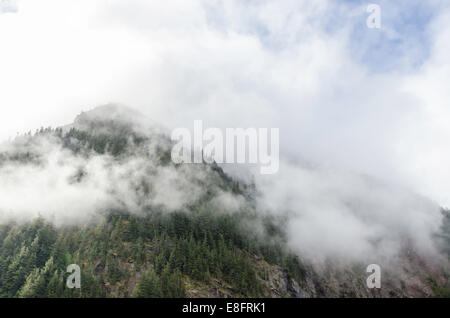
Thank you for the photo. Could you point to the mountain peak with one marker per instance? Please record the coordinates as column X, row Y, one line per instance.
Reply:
column 115, row 112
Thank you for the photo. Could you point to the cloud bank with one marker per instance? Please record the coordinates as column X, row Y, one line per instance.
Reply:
column 372, row 101
column 69, row 188
column 349, row 98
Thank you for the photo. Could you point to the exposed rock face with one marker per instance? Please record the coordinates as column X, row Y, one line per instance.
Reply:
column 413, row 281
column 281, row 285
column 415, row 278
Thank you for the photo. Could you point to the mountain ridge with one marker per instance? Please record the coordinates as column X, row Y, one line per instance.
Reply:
column 167, row 230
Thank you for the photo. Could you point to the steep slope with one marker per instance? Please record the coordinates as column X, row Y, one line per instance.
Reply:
column 139, row 225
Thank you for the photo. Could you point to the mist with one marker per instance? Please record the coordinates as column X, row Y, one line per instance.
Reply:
column 328, row 214
column 67, row 188
column 343, row 95
column 362, row 113
column 340, row 215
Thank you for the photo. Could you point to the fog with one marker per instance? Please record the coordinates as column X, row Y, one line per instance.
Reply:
column 336, row 214
column 68, row 188
column 362, row 111
column 369, row 100
column 328, row 213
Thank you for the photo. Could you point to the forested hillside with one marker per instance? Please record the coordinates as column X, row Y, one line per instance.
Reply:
column 152, row 249
column 159, row 251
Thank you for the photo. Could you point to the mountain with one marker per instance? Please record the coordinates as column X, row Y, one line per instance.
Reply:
column 104, row 194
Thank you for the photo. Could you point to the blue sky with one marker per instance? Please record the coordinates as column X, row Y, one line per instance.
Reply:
column 403, row 35
column 401, row 44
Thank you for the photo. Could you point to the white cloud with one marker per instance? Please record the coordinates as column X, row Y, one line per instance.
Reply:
column 337, row 214
column 233, row 64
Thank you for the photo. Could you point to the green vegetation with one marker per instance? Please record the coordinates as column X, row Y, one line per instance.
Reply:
column 439, row 291
column 162, row 249
column 153, row 252
column 150, row 254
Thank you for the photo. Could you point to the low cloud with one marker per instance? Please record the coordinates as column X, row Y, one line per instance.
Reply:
column 339, row 215
column 326, row 213
column 74, row 189
column 301, row 66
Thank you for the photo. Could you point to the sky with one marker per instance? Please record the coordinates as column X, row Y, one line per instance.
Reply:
column 371, row 101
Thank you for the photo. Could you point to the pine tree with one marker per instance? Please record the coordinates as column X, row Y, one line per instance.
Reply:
column 148, row 286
